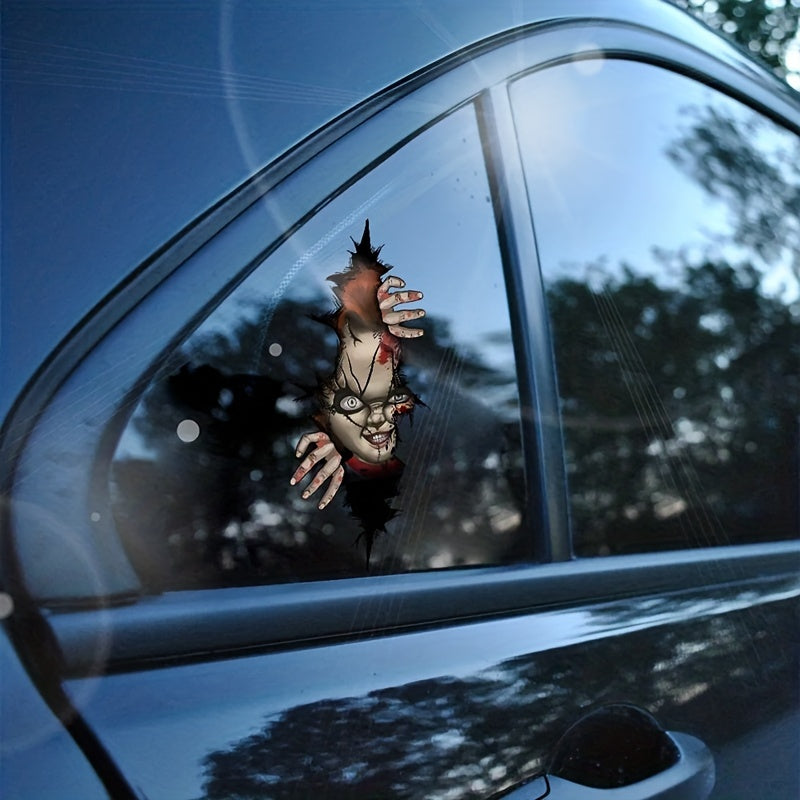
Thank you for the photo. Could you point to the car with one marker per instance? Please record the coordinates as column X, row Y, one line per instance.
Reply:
column 400, row 400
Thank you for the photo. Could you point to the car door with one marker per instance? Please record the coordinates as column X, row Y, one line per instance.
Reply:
column 592, row 536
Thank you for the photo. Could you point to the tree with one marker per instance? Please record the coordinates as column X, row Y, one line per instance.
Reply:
column 767, row 29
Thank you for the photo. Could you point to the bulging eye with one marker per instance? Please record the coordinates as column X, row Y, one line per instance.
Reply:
column 348, row 403
column 399, row 396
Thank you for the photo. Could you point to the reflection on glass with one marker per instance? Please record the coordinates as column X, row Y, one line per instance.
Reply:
column 667, row 220
column 201, row 475
column 456, row 737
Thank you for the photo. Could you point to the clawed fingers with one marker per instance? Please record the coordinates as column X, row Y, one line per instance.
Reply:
column 323, row 451
column 393, row 320
column 325, row 472
column 390, row 301
column 405, row 333
column 392, row 282
column 318, row 437
column 396, row 317
column 333, row 487
column 326, row 454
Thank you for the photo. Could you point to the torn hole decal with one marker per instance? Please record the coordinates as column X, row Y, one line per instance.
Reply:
column 364, row 399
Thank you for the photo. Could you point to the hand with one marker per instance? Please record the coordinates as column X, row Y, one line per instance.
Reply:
column 393, row 319
column 326, row 453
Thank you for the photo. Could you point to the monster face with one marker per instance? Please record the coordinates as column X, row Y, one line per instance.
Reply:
column 364, row 400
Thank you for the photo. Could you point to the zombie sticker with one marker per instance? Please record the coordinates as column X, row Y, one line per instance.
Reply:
column 364, row 399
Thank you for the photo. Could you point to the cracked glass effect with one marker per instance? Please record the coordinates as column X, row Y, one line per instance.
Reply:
column 361, row 403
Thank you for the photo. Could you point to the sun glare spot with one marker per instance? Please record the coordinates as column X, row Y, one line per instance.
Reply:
column 188, row 430
column 6, row 605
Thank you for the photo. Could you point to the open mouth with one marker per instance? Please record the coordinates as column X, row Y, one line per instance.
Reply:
column 378, row 440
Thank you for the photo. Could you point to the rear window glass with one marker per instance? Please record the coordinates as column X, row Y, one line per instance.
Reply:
column 667, row 222
column 428, row 434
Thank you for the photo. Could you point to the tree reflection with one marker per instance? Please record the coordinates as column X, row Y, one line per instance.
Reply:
column 741, row 161
column 680, row 409
column 681, row 390
column 767, row 28
column 219, row 508
column 469, row 738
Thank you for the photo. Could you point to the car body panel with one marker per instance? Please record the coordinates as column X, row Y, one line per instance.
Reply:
column 445, row 684
column 38, row 757
column 463, row 711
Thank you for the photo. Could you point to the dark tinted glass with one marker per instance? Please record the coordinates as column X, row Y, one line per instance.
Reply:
column 667, row 218
column 201, row 477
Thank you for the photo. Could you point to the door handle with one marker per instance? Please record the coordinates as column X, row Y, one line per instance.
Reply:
column 621, row 753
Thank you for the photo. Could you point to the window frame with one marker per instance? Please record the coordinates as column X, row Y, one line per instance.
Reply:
column 122, row 629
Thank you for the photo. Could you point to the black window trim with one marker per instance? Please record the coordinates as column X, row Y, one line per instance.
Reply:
column 542, row 438
column 183, row 627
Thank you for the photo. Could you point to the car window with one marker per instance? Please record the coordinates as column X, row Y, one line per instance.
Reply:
column 666, row 218
column 300, row 359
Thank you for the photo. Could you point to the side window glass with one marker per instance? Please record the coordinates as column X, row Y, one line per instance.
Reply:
column 415, row 438
column 666, row 218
